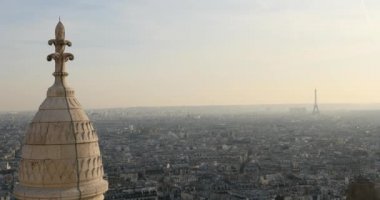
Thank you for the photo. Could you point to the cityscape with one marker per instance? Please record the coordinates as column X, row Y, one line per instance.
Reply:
column 197, row 153
column 190, row 100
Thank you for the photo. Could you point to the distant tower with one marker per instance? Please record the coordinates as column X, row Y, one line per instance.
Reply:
column 60, row 156
column 315, row 109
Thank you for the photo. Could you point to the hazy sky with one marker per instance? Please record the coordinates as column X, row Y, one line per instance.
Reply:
column 193, row 52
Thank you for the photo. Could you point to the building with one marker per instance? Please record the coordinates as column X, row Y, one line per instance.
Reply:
column 60, row 153
column 362, row 189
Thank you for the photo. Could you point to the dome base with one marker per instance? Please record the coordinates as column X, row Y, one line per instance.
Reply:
column 91, row 191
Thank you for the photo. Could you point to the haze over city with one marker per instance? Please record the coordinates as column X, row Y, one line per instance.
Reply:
column 170, row 53
column 190, row 100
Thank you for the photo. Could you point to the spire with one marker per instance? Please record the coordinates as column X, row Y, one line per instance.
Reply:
column 315, row 109
column 59, row 56
column 60, row 31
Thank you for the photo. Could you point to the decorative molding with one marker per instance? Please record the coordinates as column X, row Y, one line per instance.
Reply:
column 60, row 133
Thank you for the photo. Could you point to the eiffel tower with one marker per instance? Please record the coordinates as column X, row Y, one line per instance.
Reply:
column 315, row 109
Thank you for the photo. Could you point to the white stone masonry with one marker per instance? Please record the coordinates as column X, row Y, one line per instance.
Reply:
column 60, row 154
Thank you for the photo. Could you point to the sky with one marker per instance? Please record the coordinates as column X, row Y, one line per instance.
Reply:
column 193, row 52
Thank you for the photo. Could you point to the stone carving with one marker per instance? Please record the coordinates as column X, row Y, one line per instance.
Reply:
column 60, row 133
column 56, row 43
column 58, row 57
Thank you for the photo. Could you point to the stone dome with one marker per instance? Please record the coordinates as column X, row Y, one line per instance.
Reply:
column 60, row 153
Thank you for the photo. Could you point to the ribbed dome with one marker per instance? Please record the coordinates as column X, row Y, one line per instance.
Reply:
column 60, row 154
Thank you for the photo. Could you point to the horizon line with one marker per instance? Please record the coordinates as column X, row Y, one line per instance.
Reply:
column 217, row 105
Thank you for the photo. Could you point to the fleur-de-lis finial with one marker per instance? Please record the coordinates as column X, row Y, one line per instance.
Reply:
column 59, row 56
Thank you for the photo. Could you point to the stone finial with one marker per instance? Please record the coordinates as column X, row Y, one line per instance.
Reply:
column 60, row 31
column 59, row 56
